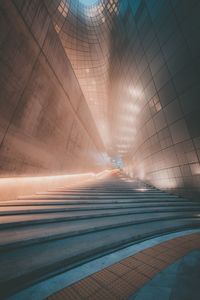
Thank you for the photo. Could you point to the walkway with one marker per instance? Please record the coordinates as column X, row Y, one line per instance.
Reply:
column 140, row 277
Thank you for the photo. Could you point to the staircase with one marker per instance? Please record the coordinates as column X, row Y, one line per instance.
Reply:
column 48, row 233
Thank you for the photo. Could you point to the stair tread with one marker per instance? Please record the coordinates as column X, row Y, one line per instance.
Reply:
column 40, row 256
column 49, row 232
column 43, row 231
column 56, row 216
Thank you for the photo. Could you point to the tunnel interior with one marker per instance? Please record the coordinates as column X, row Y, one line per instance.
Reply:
column 99, row 133
column 85, row 83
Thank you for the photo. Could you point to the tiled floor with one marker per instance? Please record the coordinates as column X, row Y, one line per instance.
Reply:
column 179, row 281
column 123, row 279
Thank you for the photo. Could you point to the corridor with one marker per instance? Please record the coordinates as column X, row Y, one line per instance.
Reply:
column 99, row 149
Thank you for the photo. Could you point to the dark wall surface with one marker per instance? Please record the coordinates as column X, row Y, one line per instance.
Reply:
column 158, row 55
column 45, row 124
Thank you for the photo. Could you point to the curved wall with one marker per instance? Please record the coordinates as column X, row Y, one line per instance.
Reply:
column 84, row 33
column 151, row 62
column 157, row 59
column 45, row 124
column 137, row 64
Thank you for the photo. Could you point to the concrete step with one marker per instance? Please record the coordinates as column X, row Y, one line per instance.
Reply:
column 10, row 221
column 47, row 233
column 24, row 266
column 92, row 191
column 100, row 202
column 33, row 234
column 6, row 211
column 97, row 196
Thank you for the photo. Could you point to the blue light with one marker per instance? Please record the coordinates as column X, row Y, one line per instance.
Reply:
column 88, row 2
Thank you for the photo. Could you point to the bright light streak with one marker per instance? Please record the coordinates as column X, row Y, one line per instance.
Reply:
column 142, row 190
column 104, row 173
column 135, row 92
column 13, row 187
column 88, row 2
